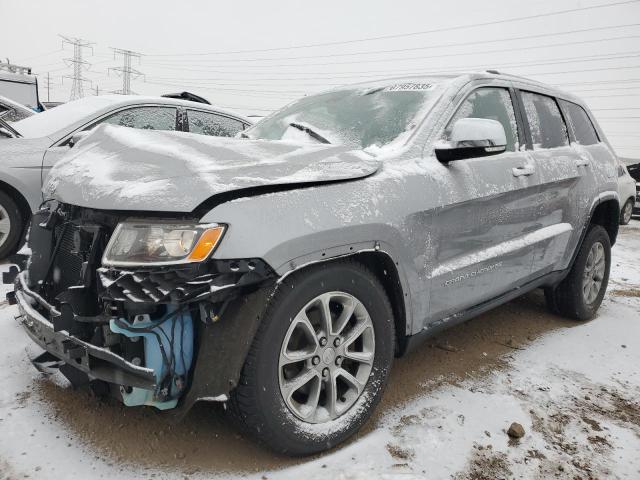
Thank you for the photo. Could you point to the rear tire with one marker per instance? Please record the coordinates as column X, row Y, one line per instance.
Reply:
column 304, row 420
column 627, row 212
column 580, row 294
column 11, row 226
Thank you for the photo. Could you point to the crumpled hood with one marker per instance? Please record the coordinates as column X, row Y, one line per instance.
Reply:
column 120, row 168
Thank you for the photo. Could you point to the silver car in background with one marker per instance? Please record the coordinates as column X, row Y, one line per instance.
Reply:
column 282, row 271
column 36, row 143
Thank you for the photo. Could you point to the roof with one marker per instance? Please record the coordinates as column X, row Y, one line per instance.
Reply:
column 470, row 75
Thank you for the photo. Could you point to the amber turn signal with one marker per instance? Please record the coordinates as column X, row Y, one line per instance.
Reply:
column 206, row 243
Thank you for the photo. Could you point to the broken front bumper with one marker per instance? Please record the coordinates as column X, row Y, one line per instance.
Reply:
column 97, row 362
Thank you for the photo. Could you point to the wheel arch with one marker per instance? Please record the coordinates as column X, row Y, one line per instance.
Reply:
column 21, row 201
column 606, row 213
column 388, row 272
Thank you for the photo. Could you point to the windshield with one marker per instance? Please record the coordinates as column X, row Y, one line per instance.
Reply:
column 357, row 117
column 50, row 121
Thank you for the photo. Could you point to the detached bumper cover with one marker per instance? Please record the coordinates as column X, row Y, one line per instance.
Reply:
column 97, row 362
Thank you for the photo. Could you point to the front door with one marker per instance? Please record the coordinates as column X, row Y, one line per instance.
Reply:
column 482, row 229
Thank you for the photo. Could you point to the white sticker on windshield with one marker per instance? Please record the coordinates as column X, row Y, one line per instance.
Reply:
column 409, row 87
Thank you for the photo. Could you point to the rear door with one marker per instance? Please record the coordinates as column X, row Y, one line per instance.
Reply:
column 482, row 228
column 560, row 174
column 597, row 158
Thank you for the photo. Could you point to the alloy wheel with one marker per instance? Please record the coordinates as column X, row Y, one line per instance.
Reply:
column 326, row 357
column 5, row 225
column 593, row 273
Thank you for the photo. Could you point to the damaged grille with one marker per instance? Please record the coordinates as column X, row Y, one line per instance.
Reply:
column 67, row 264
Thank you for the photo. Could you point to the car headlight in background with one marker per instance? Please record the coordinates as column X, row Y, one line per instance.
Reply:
column 621, row 171
column 134, row 243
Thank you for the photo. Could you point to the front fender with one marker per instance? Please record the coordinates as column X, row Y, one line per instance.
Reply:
column 292, row 229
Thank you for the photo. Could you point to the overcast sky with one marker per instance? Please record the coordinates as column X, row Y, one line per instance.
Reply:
column 217, row 49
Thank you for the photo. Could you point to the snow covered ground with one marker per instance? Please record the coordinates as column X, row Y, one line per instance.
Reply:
column 575, row 388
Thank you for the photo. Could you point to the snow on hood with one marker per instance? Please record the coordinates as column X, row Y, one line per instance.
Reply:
column 120, row 168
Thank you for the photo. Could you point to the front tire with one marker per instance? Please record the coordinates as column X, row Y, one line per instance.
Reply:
column 319, row 362
column 11, row 226
column 627, row 212
column 580, row 294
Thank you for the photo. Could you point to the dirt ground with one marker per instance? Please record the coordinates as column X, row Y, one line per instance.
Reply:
column 206, row 441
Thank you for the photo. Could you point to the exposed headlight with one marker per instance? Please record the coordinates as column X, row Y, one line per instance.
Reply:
column 135, row 243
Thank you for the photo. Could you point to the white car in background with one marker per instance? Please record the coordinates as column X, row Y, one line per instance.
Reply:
column 11, row 111
column 626, row 193
column 30, row 147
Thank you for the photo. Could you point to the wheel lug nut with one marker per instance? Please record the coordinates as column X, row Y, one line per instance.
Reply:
column 325, row 372
column 338, row 361
column 315, row 360
column 336, row 342
column 323, row 341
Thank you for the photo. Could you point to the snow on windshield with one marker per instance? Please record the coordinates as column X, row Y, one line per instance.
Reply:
column 50, row 121
column 360, row 117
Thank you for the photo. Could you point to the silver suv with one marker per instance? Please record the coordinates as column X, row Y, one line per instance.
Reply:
column 283, row 271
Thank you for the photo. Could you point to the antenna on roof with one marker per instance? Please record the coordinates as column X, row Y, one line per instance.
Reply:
column 495, row 72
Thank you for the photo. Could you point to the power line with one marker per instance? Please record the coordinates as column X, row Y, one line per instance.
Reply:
column 410, row 34
column 77, row 87
column 397, row 59
column 417, row 74
column 398, row 50
column 385, row 73
column 298, row 92
column 42, row 55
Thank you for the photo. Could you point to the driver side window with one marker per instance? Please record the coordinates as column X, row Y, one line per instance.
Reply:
column 490, row 103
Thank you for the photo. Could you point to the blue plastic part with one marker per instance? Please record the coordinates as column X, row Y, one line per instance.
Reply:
column 177, row 327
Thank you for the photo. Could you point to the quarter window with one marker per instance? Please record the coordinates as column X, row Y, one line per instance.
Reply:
column 580, row 123
column 211, row 124
column 547, row 127
column 492, row 103
column 146, row 118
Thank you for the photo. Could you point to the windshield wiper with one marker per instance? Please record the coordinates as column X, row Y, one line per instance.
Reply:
column 309, row 132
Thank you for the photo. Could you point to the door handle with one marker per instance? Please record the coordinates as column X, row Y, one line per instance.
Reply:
column 524, row 171
column 582, row 162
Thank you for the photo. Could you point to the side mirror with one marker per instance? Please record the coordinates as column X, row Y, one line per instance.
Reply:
column 73, row 141
column 472, row 137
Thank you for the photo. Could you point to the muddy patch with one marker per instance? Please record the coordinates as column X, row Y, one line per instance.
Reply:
column 205, row 441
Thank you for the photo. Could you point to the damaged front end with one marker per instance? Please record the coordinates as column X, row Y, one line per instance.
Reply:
column 154, row 333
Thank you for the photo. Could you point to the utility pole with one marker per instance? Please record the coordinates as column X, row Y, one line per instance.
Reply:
column 97, row 91
column 126, row 71
column 77, row 87
column 48, row 86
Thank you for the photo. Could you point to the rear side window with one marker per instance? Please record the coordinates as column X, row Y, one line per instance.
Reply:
column 146, row 118
column 211, row 124
column 492, row 103
column 547, row 127
column 580, row 123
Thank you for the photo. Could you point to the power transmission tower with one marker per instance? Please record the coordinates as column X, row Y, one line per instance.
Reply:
column 77, row 87
column 126, row 71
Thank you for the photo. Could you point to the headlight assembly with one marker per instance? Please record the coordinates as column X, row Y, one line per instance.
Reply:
column 134, row 243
